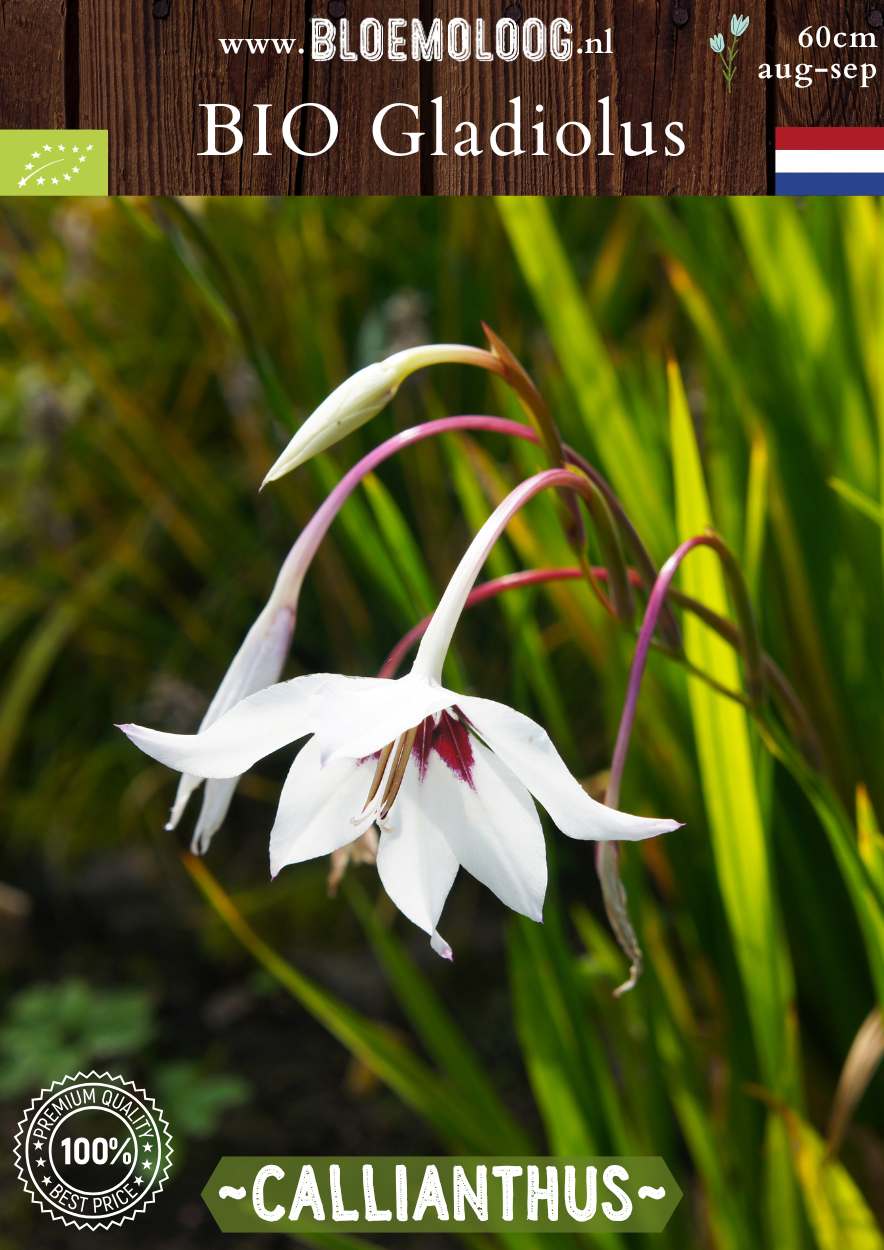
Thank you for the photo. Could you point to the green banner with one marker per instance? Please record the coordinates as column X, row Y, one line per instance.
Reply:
column 53, row 162
column 501, row 1194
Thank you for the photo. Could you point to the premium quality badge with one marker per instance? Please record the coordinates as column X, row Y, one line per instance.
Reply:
column 93, row 1150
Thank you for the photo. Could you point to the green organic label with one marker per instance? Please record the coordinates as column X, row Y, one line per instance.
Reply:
column 53, row 162
column 501, row 1194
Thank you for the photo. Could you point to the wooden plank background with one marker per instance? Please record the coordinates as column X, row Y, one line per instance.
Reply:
column 140, row 68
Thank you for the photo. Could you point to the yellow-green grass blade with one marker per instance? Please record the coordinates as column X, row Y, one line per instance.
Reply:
column 784, row 265
column 859, row 859
column 727, row 777
column 838, row 1213
column 863, row 504
column 586, row 362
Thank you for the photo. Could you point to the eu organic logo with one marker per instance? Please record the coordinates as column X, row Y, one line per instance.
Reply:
column 53, row 162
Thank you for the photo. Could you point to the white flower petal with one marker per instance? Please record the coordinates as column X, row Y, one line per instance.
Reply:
column 265, row 721
column 216, row 800
column 317, row 808
column 440, row 946
column 258, row 662
column 525, row 748
column 187, row 783
column 493, row 829
column 415, row 863
column 256, row 665
column 377, row 713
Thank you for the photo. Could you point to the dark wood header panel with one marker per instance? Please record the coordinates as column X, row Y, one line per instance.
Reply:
column 142, row 68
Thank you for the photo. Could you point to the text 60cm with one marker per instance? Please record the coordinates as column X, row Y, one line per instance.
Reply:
column 824, row 37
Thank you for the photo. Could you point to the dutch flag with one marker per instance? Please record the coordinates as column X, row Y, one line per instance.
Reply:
column 830, row 160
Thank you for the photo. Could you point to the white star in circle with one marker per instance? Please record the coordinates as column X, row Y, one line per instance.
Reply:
column 139, row 1180
column 46, row 1180
column 147, row 1164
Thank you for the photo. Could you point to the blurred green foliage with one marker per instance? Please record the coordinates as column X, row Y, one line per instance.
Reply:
column 50, row 1030
column 196, row 1099
column 155, row 357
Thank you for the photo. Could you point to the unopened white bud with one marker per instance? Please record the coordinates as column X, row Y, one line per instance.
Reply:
column 363, row 395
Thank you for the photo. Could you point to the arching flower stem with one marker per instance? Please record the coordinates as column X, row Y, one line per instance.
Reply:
column 607, row 855
column 747, row 638
column 480, row 594
column 437, row 638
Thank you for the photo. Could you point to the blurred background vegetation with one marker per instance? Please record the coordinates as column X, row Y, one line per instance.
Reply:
column 154, row 358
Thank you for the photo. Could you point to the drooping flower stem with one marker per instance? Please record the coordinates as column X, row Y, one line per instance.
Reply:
column 480, row 594
column 748, row 639
column 437, row 639
column 787, row 700
column 291, row 575
column 607, row 854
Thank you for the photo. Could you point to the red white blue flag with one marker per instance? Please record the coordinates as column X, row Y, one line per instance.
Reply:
column 830, row 160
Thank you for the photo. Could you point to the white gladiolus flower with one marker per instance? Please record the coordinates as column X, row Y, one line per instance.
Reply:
column 447, row 778
column 363, row 395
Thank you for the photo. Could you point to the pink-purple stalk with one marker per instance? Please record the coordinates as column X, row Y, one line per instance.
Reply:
column 607, row 855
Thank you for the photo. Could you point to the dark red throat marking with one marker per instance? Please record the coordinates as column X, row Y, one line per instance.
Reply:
column 450, row 739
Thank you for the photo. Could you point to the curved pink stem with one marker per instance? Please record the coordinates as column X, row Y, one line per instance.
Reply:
column 437, row 639
column 489, row 590
column 607, row 858
column 655, row 606
column 291, row 574
column 307, row 544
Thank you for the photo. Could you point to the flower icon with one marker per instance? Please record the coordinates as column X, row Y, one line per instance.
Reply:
column 738, row 27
